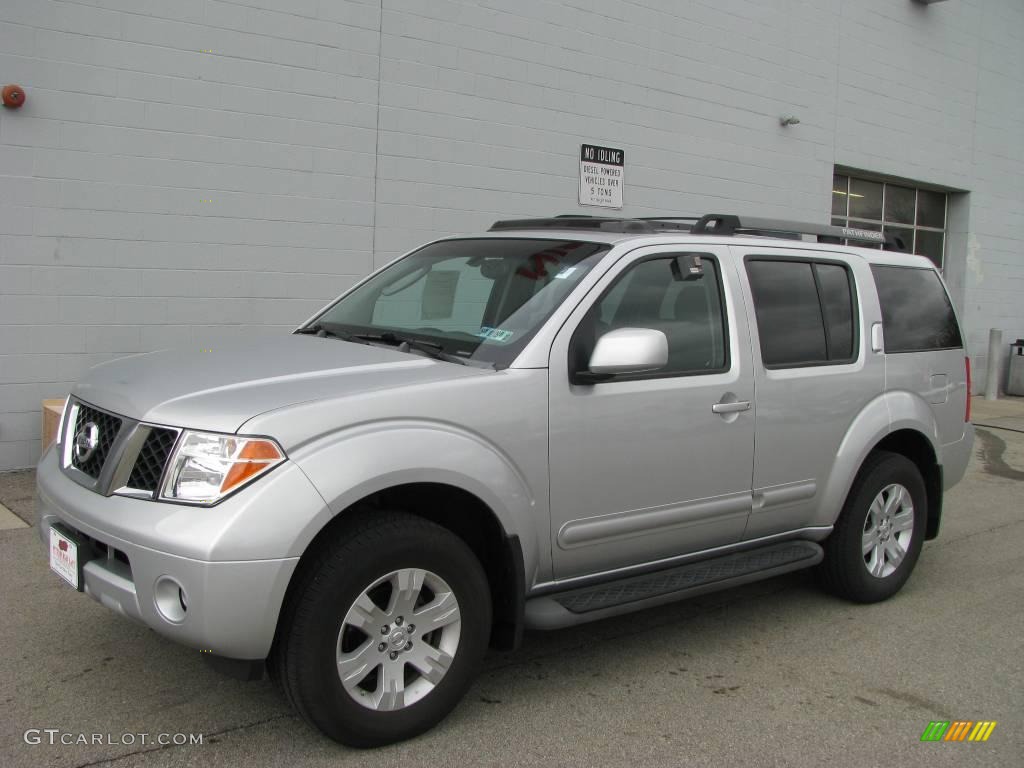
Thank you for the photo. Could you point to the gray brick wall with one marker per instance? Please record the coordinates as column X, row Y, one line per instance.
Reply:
column 183, row 174
column 188, row 173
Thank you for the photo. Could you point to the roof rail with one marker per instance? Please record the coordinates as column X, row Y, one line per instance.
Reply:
column 710, row 224
column 728, row 224
column 603, row 224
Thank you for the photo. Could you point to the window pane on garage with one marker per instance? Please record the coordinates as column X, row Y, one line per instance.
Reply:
column 931, row 209
column 916, row 216
column 840, row 187
column 930, row 244
column 865, row 199
column 899, row 204
column 906, row 234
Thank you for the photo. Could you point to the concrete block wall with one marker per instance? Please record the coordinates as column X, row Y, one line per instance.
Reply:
column 995, row 257
column 484, row 104
column 182, row 174
column 936, row 94
column 189, row 173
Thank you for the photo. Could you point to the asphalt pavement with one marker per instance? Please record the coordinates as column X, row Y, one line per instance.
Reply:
column 775, row 673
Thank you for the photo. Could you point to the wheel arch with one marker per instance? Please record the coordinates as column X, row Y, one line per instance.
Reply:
column 898, row 422
column 913, row 445
column 467, row 516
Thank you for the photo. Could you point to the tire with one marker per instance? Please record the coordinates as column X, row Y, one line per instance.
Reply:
column 896, row 524
column 382, row 573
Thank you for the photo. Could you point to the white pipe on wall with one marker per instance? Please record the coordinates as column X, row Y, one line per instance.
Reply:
column 995, row 357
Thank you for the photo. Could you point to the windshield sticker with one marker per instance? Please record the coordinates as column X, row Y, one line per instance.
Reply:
column 495, row 334
column 565, row 273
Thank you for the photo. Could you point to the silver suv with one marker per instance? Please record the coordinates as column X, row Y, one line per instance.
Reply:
column 553, row 422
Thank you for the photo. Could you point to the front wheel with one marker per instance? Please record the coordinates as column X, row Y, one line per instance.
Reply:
column 385, row 630
column 879, row 534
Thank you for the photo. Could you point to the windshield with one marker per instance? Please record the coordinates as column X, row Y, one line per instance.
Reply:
column 478, row 299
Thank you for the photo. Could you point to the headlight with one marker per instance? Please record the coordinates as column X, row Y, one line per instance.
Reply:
column 60, row 424
column 207, row 467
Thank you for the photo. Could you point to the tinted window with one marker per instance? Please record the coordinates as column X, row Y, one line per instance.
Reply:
column 649, row 295
column 805, row 311
column 788, row 313
column 837, row 303
column 916, row 313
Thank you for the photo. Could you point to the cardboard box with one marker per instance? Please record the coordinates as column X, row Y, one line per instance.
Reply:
column 51, row 421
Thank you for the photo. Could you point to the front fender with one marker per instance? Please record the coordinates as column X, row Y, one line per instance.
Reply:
column 882, row 416
column 348, row 466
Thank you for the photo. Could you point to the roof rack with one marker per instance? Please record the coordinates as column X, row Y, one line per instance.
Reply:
column 710, row 224
column 603, row 224
column 728, row 224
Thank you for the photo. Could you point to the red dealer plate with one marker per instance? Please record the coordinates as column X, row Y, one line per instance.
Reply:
column 64, row 558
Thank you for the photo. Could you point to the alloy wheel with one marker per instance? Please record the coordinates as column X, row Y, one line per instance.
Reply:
column 398, row 639
column 888, row 529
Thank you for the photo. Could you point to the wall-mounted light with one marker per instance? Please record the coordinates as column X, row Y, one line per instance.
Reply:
column 789, row 120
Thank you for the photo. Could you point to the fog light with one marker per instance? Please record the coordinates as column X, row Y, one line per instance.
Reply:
column 170, row 599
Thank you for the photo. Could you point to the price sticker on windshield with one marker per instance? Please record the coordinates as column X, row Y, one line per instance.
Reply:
column 495, row 334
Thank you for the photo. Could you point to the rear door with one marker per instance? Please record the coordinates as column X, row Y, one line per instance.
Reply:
column 814, row 371
column 651, row 466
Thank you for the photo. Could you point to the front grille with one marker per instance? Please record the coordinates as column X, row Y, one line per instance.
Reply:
column 106, row 428
column 149, row 466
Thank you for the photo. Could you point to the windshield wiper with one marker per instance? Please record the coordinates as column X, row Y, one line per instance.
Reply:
column 407, row 343
column 401, row 342
column 316, row 329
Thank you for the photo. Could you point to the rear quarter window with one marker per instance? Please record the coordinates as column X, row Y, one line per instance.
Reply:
column 917, row 315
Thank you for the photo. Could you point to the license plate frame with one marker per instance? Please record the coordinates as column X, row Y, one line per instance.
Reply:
column 66, row 556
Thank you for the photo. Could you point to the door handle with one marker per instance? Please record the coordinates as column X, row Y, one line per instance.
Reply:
column 740, row 405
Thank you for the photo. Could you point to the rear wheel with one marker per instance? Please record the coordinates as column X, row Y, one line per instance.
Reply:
column 879, row 534
column 385, row 631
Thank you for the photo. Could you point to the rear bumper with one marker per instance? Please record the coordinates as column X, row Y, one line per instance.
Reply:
column 232, row 606
column 955, row 458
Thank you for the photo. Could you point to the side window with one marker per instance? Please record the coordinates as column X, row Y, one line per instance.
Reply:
column 836, row 292
column 806, row 312
column 916, row 313
column 652, row 294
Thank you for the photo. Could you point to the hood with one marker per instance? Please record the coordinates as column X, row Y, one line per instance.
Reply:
column 221, row 388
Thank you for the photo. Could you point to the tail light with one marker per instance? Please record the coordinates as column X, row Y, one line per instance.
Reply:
column 967, row 370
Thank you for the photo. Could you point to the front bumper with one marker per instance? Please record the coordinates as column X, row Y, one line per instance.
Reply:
column 232, row 605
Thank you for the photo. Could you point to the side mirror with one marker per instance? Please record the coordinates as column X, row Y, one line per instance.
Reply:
column 626, row 350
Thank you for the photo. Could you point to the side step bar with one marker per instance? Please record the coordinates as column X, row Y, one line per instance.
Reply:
column 577, row 606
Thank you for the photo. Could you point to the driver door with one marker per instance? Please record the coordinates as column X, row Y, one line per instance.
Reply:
column 651, row 466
